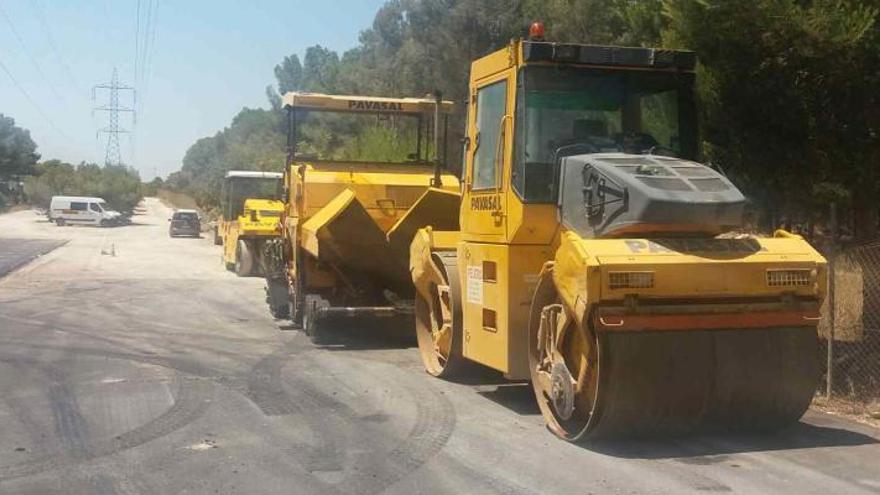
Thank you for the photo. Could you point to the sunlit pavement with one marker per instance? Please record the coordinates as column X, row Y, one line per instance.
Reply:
column 134, row 363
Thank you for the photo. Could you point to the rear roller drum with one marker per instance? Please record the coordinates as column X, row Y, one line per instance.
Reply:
column 439, row 323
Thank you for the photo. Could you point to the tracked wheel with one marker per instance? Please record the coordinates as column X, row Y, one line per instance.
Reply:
column 314, row 325
column 439, row 323
column 591, row 385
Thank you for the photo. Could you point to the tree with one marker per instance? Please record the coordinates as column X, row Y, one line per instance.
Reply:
column 320, row 70
column 790, row 104
column 787, row 88
column 289, row 74
column 18, row 154
column 120, row 186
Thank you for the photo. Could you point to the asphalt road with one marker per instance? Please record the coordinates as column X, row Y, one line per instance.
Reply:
column 17, row 252
column 149, row 369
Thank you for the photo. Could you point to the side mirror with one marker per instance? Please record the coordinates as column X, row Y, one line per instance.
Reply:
column 169, row 219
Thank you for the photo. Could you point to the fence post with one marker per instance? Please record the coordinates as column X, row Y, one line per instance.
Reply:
column 832, row 254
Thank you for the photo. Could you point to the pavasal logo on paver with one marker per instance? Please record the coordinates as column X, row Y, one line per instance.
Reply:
column 485, row 203
column 385, row 106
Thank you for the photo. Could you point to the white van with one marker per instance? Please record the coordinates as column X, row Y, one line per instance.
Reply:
column 81, row 209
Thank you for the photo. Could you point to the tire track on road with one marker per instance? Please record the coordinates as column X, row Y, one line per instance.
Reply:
column 192, row 399
column 331, row 420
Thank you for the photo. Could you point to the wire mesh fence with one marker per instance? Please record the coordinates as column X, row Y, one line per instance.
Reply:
column 850, row 330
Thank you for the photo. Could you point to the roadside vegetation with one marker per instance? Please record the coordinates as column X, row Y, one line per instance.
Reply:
column 119, row 186
column 26, row 180
column 788, row 89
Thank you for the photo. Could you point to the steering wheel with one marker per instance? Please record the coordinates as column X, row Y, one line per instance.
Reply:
column 636, row 141
column 580, row 148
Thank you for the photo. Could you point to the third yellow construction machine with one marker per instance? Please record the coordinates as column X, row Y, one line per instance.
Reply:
column 363, row 174
column 594, row 255
column 249, row 213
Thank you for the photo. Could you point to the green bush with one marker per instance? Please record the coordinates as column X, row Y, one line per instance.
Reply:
column 120, row 186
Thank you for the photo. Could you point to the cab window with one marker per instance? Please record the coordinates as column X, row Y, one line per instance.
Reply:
column 490, row 110
column 94, row 207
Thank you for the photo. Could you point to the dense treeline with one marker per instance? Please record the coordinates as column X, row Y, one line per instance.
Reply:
column 120, row 186
column 23, row 179
column 790, row 106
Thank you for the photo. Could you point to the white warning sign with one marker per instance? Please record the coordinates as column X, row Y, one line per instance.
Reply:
column 475, row 284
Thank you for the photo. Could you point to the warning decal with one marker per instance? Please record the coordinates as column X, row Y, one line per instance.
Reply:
column 475, row 285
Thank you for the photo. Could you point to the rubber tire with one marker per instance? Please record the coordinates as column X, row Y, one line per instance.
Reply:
column 103, row 223
column 60, row 222
column 218, row 241
column 278, row 299
column 244, row 259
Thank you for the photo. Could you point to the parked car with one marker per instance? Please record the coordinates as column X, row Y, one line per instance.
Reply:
column 65, row 210
column 185, row 222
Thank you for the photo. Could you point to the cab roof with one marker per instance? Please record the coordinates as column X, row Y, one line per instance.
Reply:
column 263, row 204
column 611, row 56
column 253, row 174
column 362, row 104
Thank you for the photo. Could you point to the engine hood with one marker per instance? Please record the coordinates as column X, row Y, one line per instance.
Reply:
column 616, row 194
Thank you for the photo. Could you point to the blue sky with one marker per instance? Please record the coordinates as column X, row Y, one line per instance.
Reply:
column 204, row 61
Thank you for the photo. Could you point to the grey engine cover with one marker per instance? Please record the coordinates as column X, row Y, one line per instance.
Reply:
column 600, row 194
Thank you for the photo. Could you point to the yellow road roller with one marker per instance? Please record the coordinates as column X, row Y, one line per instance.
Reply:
column 363, row 175
column 250, row 213
column 599, row 260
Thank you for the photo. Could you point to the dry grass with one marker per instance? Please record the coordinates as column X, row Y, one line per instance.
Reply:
column 177, row 200
column 849, row 302
column 865, row 413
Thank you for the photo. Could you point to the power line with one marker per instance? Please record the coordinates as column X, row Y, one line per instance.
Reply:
column 41, row 16
column 149, row 49
column 113, row 108
column 137, row 39
column 27, row 52
column 145, row 45
column 33, row 102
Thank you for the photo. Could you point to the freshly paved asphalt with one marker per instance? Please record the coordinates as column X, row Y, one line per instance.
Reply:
column 150, row 369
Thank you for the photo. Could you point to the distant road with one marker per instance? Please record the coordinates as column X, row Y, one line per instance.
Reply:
column 17, row 252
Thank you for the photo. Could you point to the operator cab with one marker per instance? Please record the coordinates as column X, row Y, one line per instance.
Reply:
column 564, row 110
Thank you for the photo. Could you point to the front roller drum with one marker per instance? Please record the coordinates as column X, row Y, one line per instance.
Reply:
column 439, row 328
column 591, row 385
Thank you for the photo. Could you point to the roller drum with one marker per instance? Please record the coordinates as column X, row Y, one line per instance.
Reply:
column 673, row 382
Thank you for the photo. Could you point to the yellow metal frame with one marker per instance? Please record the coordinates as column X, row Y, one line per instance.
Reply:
column 353, row 214
column 505, row 245
column 244, row 227
column 363, row 104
